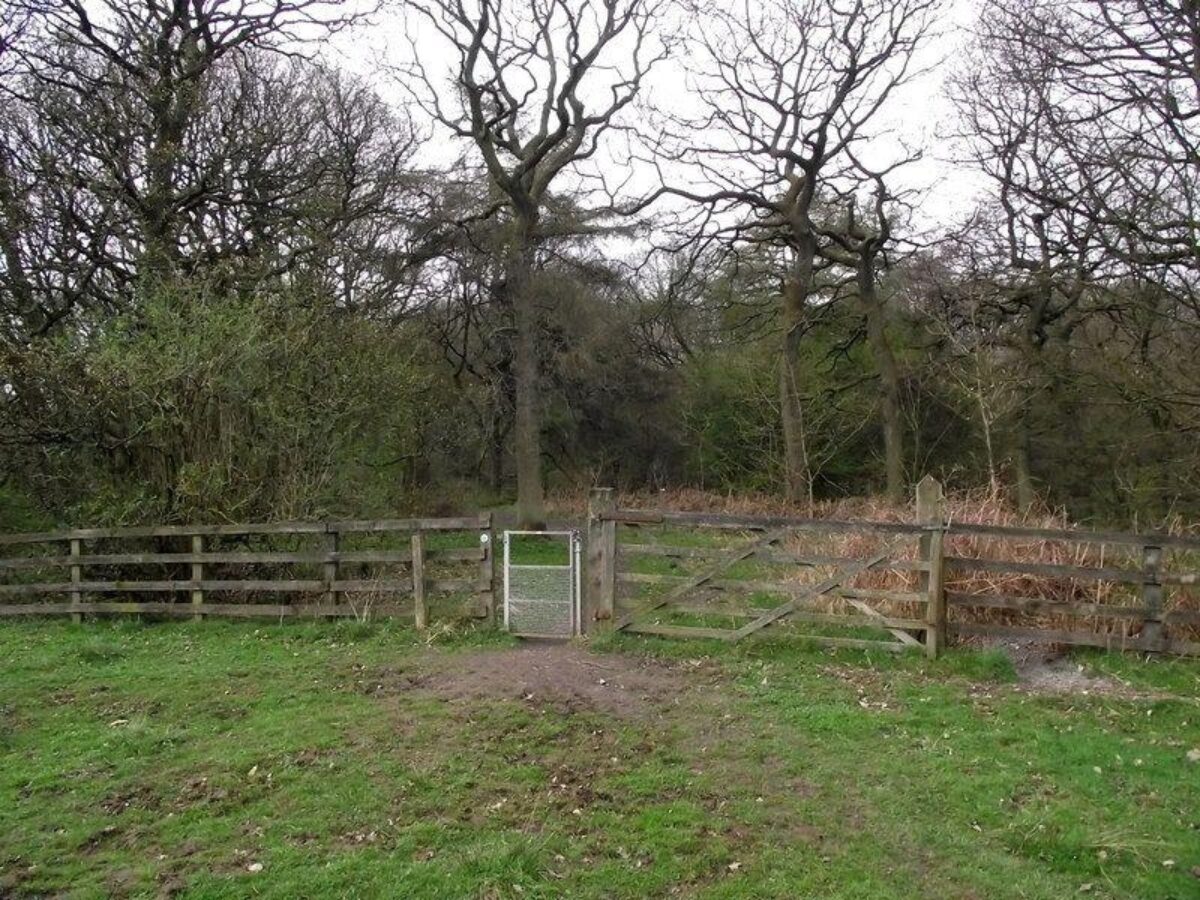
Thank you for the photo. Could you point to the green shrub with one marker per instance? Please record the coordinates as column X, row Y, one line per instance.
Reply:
column 207, row 405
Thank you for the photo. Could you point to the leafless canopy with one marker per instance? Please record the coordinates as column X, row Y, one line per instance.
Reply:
column 1096, row 115
column 142, row 138
column 538, row 85
column 787, row 90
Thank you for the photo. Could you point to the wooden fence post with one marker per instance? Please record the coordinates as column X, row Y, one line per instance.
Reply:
column 332, row 568
column 931, row 513
column 1152, row 599
column 197, row 576
column 601, row 557
column 76, row 577
column 420, row 613
column 487, row 567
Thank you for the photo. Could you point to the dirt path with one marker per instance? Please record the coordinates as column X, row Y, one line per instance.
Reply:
column 568, row 678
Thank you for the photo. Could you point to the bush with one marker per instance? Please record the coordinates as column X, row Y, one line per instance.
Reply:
column 203, row 405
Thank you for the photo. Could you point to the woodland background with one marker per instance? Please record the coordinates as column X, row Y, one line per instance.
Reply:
column 239, row 281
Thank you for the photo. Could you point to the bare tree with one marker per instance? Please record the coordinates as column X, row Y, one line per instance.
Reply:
column 1121, row 100
column 160, row 56
column 861, row 241
column 1120, row 95
column 148, row 142
column 536, row 86
column 787, row 90
column 1078, row 203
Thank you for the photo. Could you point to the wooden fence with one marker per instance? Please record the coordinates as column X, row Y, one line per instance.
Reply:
column 893, row 586
column 903, row 586
column 361, row 569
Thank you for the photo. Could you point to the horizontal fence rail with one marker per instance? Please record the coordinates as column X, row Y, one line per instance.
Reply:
column 754, row 523
column 352, row 525
column 429, row 556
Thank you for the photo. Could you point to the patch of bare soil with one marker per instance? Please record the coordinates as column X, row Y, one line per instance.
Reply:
column 565, row 677
column 138, row 796
column 1044, row 669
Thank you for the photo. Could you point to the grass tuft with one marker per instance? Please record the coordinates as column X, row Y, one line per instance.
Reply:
column 101, row 650
column 992, row 665
column 349, row 631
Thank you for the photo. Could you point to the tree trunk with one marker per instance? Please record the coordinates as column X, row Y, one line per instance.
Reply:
column 797, row 473
column 170, row 107
column 1022, row 462
column 1032, row 339
column 985, row 422
column 496, row 453
column 797, row 480
column 13, row 222
column 527, row 422
column 889, row 377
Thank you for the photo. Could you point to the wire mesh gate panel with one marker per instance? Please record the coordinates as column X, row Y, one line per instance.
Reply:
column 540, row 599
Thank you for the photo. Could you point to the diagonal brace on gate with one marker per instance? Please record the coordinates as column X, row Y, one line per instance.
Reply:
column 824, row 587
column 692, row 583
column 899, row 633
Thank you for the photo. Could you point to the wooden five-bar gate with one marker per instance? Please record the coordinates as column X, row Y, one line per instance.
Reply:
column 676, row 574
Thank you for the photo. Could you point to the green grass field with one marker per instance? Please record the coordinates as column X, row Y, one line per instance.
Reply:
column 226, row 760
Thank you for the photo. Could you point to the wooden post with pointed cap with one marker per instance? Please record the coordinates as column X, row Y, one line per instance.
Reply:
column 931, row 514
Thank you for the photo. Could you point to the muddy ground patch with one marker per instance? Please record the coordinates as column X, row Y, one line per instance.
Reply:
column 569, row 679
column 1049, row 669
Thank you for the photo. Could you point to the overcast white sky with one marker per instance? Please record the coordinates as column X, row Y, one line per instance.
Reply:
column 920, row 114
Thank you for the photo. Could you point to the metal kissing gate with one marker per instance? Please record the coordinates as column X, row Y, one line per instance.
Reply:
column 542, row 600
